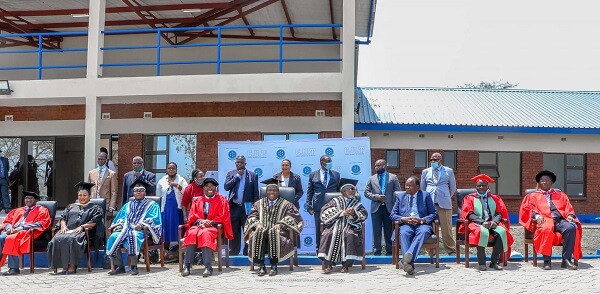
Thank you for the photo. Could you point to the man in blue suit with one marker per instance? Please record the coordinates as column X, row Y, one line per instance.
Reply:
column 4, row 184
column 138, row 172
column 324, row 180
column 415, row 211
column 440, row 182
column 242, row 185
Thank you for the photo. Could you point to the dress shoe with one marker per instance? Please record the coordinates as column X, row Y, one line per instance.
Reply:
column 207, row 272
column 273, row 271
column 547, row 265
column 482, row 268
column 12, row 272
column 344, row 269
column 411, row 271
column 134, row 271
column 185, row 272
column 568, row 264
column 406, row 259
column 496, row 266
column 452, row 253
column 262, row 270
column 328, row 269
column 70, row 272
column 117, row 270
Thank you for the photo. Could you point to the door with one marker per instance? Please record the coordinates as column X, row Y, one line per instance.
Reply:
column 37, row 156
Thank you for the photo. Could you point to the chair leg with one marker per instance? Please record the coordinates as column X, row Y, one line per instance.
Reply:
column 505, row 258
column 526, row 252
column 180, row 252
column 162, row 256
column 251, row 257
column 296, row 257
column 31, row 261
column 457, row 253
column 430, row 255
column 534, row 256
column 89, row 259
column 291, row 263
column 146, row 256
column 575, row 261
column 437, row 257
column 467, row 251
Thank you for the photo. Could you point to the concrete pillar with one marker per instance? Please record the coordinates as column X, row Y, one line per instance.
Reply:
column 348, row 66
column 92, row 102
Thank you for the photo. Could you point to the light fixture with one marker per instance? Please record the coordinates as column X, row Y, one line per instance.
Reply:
column 191, row 10
column 4, row 87
column 82, row 15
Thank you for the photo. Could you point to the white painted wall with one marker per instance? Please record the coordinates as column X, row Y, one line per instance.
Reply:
column 484, row 141
column 172, row 54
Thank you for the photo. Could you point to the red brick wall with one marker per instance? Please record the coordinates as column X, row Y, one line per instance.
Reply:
column 215, row 109
column 330, row 134
column 130, row 145
column 208, row 147
column 49, row 112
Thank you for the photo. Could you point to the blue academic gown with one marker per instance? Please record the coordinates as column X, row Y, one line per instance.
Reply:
column 145, row 212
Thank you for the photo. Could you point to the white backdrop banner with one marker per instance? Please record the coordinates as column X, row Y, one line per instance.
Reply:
column 350, row 157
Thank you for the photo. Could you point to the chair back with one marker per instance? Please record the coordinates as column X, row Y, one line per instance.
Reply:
column 529, row 191
column 287, row 193
column 329, row 196
column 98, row 201
column 460, row 195
column 52, row 208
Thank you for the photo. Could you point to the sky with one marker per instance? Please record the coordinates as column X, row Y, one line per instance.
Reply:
column 540, row 45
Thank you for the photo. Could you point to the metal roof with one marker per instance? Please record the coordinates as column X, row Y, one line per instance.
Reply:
column 476, row 110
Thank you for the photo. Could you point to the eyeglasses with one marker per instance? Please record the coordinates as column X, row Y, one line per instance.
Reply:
column 545, row 181
column 433, row 159
column 139, row 190
column 352, row 188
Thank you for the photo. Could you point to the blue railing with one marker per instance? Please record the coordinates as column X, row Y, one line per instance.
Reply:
column 41, row 50
column 218, row 61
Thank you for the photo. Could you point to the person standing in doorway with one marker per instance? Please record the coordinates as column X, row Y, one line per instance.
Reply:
column 4, row 176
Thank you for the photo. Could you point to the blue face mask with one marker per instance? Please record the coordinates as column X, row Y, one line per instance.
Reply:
column 101, row 167
column 484, row 194
column 434, row 165
column 328, row 165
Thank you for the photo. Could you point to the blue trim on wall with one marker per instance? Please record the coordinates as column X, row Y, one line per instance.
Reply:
column 473, row 129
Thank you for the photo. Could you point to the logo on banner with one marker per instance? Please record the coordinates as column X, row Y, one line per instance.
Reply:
column 306, row 170
column 356, row 169
column 258, row 171
column 329, row 151
column 232, row 155
column 280, row 154
column 308, row 241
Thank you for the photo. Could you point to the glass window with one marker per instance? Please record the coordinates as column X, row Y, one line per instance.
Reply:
column 421, row 159
column 274, row 137
column 450, row 159
column 569, row 170
column 505, row 169
column 392, row 158
column 303, row 136
column 162, row 149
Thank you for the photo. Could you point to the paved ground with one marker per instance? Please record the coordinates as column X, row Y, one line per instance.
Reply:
column 450, row 277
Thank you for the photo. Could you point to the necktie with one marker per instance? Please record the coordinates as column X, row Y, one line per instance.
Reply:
column 205, row 210
column 410, row 203
column 548, row 199
column 271, row 206
column 325, row 179
column 435, row 175
column 484, row 203
column 382, row 182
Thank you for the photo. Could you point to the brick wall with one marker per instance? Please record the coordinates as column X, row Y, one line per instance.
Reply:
column 216, row 109
column 49, row 112
column 208, row 147
column 130, row 145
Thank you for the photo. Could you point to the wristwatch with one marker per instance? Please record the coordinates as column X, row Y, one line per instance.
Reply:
column 422, row 221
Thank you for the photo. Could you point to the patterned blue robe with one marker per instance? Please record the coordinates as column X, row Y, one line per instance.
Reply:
column 145, row 212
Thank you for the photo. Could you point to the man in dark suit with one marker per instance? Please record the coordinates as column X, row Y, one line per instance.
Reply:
column 380, row 190
column 242, row 185
column 4, row 183
column 324, row 180
column 415, row 211
column 138, row 172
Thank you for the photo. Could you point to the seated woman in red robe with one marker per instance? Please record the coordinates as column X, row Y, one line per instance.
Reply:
column 546, row 212
column 488, row 221
column 206, row 213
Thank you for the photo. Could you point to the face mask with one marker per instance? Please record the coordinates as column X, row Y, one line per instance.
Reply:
column 137, row 169
column 484, row 194
column 328, row 165
column 101, row 167
column 381, row 171
column 434, row 165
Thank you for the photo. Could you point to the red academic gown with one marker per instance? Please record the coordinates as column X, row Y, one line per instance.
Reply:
column 218, row 212
column 468, row 206
column 544, row 236
column 18, row 244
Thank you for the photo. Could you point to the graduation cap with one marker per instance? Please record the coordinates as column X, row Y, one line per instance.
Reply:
column 32, row 194
column 482, row 177
column 271, row 181
column 140, row 183
column 545, row 173
column 84, row 186
column 209, row 180
column 346, row 181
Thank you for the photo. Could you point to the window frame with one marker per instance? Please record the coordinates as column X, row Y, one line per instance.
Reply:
column 397, row 163
column 497, row 169
column 415, row 159
column 287, row 135
column 566, row 169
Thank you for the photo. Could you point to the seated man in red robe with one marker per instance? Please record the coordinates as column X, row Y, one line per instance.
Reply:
column 488, row 220
column 547, row 211
column 15, row 237
column 206, row 213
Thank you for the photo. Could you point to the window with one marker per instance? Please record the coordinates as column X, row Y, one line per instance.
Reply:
column 290, row 136
column 450, row 159
column 392, row 158
column 569, row 170
column 162, row 149
column 421, row 159
column 505, row 169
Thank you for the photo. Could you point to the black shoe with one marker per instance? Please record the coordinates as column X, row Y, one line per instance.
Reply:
column 405, row 261
column 185, row 272
column 273, row 271
column 547, row 265
column 12, row 272
column 207, row 272
column 568, row 264
column 482, row 268
column 134, row 271
column 262, row 270
column 117, row 270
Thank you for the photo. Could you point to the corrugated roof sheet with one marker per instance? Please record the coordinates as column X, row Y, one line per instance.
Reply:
column 475, row 107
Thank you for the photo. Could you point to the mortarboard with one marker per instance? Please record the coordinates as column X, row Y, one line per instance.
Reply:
column 209, row 180
column 483, row 177
column 33, row 194
column 140, row 183
column 346, row 181
column 84, row 186
column 271, row 181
